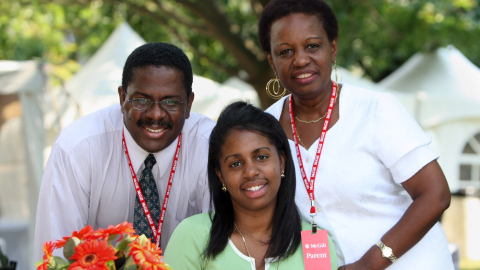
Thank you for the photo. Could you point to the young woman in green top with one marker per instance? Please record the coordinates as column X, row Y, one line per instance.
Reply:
column 256, row 224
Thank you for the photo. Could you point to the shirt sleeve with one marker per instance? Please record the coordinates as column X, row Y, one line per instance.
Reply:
column 185, row 248
column 399, row 141
column 206, row 193
column 63, row 201
column 203, row 189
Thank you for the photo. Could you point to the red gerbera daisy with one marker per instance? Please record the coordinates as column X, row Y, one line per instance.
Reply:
column 79, row 234
column 48, row 248
column 147, row 255
column 43, row 266
column 122, row 228
column 92, row 255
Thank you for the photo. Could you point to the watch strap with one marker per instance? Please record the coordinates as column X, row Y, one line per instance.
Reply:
column 383, row 248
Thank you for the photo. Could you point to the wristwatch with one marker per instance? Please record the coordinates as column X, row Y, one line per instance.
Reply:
column 387, row 252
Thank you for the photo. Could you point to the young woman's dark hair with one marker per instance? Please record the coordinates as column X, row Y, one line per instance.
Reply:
column 286, row 226
column 277, row 9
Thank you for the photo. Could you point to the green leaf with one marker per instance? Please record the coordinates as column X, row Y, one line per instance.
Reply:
column 112, row 237
column 143, row 239
column 124, row 245
column 61, row 263
column 69, row 248
column 3, row 259
column 130, row 264
column 39, row 262
column 111, row 265
column 52, row 265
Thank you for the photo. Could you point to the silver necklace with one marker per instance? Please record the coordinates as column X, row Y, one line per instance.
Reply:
column 246, row 247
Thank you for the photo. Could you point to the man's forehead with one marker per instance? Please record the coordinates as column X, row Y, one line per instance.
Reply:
column 159, row 71
column 162, row 68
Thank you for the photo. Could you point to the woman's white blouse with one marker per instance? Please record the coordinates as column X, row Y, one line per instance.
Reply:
column 374, row 147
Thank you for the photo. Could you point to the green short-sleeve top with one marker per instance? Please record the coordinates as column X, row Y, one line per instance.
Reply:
column 185, row 248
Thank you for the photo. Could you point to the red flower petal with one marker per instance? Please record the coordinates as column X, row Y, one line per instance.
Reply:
column 92, row 254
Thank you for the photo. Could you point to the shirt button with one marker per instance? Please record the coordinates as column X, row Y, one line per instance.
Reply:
column 308, row 160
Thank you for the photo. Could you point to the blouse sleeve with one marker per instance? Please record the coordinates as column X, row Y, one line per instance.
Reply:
column 185, row 248
column 400, row 142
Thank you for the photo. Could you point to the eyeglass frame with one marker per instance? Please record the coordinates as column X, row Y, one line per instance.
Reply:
column 160, row 103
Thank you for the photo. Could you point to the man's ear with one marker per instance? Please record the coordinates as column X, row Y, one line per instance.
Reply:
column 189, row 105
column 121, row 96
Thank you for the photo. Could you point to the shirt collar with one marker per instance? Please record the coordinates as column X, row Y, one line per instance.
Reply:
column 277, row 107
column 138, row 155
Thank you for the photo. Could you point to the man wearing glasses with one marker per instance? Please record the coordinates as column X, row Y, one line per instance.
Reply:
column 144, row 161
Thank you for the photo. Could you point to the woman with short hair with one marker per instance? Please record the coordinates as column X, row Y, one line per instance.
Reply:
column 364, row 167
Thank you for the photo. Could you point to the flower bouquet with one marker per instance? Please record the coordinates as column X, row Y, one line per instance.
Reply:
column 95, row 250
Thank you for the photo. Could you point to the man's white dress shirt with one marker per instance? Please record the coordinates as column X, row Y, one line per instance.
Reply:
column 87, row 180
column 371, row 150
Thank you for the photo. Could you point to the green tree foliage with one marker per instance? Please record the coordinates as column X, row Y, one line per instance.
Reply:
column 63, row 35
column 220, row 36
column 376, row 37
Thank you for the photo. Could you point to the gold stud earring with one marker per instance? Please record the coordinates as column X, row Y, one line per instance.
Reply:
column 282, row 175
column 274, row 92
column 224, row 188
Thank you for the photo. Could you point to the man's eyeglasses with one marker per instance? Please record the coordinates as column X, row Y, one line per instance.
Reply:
column 143, row 104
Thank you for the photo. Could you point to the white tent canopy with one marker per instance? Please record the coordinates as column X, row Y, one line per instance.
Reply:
column 447, row 89
column 21, row 77
column 27, row 80
column 211, row 97
column 446, row 83
column 445, row 72
column 95, row 85
column 22, row 84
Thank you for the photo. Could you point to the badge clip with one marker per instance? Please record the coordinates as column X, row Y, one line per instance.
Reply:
column 314, row 227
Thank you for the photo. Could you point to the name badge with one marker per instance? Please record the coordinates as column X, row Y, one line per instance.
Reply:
column 316, row 253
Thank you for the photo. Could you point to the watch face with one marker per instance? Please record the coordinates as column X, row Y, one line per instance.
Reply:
column 387, row 252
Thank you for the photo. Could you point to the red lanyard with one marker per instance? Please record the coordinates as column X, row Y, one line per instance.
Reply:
column 310, row 186
column 157, row 233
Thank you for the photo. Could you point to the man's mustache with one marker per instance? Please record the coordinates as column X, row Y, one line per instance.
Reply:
column 150, row 122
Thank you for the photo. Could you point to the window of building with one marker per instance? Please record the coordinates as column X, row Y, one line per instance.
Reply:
column 470, row 164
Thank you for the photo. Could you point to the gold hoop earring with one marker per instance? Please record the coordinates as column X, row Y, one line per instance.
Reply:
column 275, row 91
column 335, row 68
column 224, row 188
